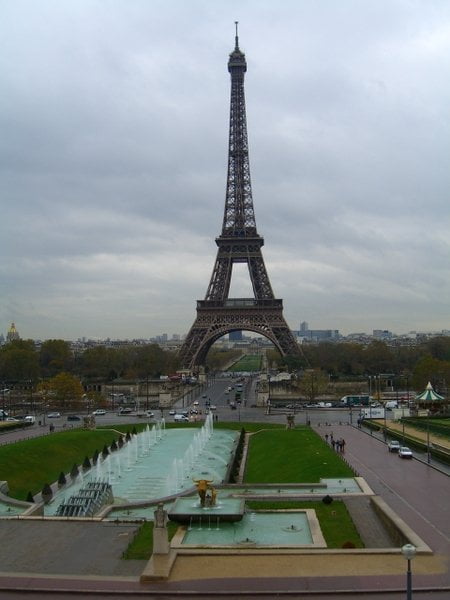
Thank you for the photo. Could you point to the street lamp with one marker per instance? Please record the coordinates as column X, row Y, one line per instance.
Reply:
column 428, row 437
column 409, row 552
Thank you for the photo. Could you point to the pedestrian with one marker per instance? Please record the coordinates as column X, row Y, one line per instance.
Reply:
column 342, row 445
column 333, row 443
column 326, row 438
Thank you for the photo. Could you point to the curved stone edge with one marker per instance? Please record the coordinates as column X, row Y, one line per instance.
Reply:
column 400, row 531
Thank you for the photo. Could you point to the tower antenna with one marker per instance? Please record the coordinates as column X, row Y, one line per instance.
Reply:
column 236, row 23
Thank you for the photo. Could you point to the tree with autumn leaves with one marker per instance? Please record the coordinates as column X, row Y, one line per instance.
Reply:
column 63, row 391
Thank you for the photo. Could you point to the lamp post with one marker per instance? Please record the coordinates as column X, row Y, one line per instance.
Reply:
column 409, row 552
column 403, row 424
column 428, row 437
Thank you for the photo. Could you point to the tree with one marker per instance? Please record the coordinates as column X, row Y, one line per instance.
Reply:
column 55, row 356
column 439, row 347
column 433, row 370
column 63, row 391
column 18, row 361
column 313, row 383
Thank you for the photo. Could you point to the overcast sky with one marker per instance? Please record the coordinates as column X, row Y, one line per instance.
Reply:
column 113, row 154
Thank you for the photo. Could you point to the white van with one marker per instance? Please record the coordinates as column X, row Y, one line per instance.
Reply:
column 391, row 404
column 181, row 418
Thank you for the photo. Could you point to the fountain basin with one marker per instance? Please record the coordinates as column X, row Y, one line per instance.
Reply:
column 259, row 529
column 188, row 510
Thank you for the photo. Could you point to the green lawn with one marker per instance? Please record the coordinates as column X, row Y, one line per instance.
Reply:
column 292, row 456
column 250, row 362
column 29, row 464
column 141, row 547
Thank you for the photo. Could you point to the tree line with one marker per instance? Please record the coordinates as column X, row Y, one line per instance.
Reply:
column 24, row 361
column 411, row 366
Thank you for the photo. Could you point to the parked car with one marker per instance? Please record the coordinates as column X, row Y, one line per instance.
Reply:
column 73, row 418
column 53, row 415
column 124, row 411
column 99, row 411
column 12, row 419
column 405, row 452
column 149, row 414
column 213, row 407
column 393, row 446
column 29, row 419
column 172, row 412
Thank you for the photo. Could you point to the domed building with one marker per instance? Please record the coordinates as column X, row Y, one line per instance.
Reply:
column 13, row 334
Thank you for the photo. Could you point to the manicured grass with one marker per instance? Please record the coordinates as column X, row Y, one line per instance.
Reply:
column 251, row 362
column 29, row 464
column 292, row 456
column 141, row 547
column 335, row 522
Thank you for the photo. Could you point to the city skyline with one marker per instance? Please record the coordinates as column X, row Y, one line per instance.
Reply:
column 114, row 162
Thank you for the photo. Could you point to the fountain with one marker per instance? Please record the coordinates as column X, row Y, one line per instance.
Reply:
column 158, row 462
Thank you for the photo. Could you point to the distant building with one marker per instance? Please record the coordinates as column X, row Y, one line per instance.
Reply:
column 235, row 336
column 382, row 334
column 316, row 335
column 12, row 334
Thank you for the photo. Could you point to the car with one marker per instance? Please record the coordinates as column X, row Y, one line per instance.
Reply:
column 393, row 446
column 404, row 452
column 204, row 396
column 99, row 411
column 213, row 407
column 53, row 415
column 196, row 403
column 73, row 418
column 172, row 412
column 149, row 414
column 29, row 419
column 124, row 410
column 193, row 411
column 12, row 419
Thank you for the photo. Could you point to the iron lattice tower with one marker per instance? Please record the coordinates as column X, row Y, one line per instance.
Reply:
column 239, row 242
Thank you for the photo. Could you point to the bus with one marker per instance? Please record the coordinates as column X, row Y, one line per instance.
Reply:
column 357, row 400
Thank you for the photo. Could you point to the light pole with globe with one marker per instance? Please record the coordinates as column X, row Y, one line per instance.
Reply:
column 409, row 552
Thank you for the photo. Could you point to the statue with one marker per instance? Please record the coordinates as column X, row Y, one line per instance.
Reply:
column 161, row 544
column 160, row 516
column 206, row 492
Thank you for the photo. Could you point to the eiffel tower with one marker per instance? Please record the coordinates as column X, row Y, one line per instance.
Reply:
column 239, row 242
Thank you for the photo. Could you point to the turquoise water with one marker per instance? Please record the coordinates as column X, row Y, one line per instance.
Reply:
column 255, row 529
column 158, row 463
column 329, row 486
column 224, row 506
column 8, row 510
